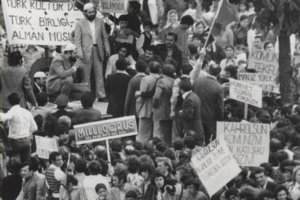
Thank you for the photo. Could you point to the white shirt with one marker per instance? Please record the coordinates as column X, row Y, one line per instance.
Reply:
column 90, row 183
column 93, row 29
column 111, row 64
column 185, row 94
column 20, row 122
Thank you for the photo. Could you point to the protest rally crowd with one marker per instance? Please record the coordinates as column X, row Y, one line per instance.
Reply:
column 172, row 65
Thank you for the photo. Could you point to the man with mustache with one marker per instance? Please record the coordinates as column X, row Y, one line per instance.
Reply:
column 92, row 45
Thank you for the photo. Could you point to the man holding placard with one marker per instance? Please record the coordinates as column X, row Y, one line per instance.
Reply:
column 92, row 44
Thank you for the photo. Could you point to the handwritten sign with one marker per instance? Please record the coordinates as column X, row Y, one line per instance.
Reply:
column 265, row 81
column 39, row 23
column 215, row 166
column 105, row 130
column 245, row 92
column 113, row 6
column 44, row 146
column 248, row 142
column 266, row 65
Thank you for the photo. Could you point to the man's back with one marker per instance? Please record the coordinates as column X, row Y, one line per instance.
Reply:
column 85, row 115
column 211, row 96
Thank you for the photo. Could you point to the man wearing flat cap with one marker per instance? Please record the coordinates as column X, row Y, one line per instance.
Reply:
column 92, row 45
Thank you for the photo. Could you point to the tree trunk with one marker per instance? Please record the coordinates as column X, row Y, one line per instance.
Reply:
column 285, row 69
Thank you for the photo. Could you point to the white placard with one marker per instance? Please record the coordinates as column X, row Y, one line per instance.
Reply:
column 44, row 146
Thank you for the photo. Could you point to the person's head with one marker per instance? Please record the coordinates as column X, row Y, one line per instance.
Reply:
column 133, row 164
column 147, row 25
column 123, row 50
column 243, row 6
column 155, row 67
column 185, row 86
column 172, row 16
column 61, row 101
column 15, row 59
column 121, row 64
column 134, row 7
column 198, row 40
column 281, row 193
column 232, row 194
column 163, row 167
column 260, row 176
column 244, row 21
column 101, row 190
column 266, row 195
column 168, row 70
column 141, row 66
column 131, row 195
column 269, row 46
column 70, row 52
column 171, row 39
column 13, row 166
column 146, row 171
column 149, row 52
column 40, row 78
column 119, row 178
column 193, row 185
column 231, row 71
column 42, row 98
column 229, row 51
column 186, row 69
column 80, row 166
column 13, row 99
column 186, row 22
column 200, row 27
column 25, row 172
column 296, row 175
column 87, row 100
column 55, row 158
column 94, row 167
column 193, row 51
column 257, row 43
column 90, row 11
column 189, row 142
column 123, row 21
column 214, row 69
column 159, row 179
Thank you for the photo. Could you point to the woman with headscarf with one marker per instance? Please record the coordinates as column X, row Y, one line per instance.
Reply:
column 171, row 24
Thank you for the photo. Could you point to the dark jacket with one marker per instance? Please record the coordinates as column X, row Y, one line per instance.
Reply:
column 11, row 187
column 85, row 115
column 117, row 84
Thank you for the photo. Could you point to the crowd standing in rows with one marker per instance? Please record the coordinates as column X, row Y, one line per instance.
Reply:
column 171, row 76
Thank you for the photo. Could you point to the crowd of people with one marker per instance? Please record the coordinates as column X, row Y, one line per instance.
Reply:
column 162, row 64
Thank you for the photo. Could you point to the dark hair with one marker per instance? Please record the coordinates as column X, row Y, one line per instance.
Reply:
column 266, row 44
column 155, row 67
column 185, row 85
column 259, row 37
column 122, row 176
column 195, row 182
column 173, row 35
column 123, row 18
column 71, row 179
column 279, row 189
column 193, row 49
column 259, row 170
column 42, row 98
column 150, row 48
column 94, row 167
column 80, row 166
column 14, row 58
column 243, row 17
column 133, row 164
column 230, row 192
column 100, row 186
column 121, row 64
column 148, row 23
column 34, row 164
column 126, row 46
column 214, row 69
column 50, row 125
column 178, row 144
column 229, row 46
column 140, row 66
column 199, row 37
column 265, row 194
column 39, row 121
column 13, row 165
column 187, row 20
column 232, row 70
column 87, row 100
column 189, row 142
column 135, row 5
column 13, row 99
column 131, row 194
column 53, row 155
column 168, row 69
column 145, row 167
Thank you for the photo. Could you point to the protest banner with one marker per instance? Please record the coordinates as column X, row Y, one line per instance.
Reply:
column 39, row 23
column 267, row 66
column 248, row 142
column 215, row 166
column 265, row 81
column 113, row 6
column 44, row 146
column 245, row 92
column 105, row 130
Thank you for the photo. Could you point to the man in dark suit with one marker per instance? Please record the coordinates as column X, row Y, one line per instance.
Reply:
column 191, row 111
column 170, row 50
column 211, row 95
column 262, row 180
column 133, row 86
column 214, row 51
column 39, row 84
column 117, row 84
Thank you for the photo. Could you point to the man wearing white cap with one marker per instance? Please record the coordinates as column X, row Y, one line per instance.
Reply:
column 92, row 44
column 60, row 77
column 39, row 84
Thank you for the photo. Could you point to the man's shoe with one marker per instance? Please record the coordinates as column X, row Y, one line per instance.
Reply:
column 102, row 100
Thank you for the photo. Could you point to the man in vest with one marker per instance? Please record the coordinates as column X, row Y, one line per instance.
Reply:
column 54, row 175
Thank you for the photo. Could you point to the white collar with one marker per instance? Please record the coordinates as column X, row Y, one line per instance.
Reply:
column 121, row 72
column 186, row 94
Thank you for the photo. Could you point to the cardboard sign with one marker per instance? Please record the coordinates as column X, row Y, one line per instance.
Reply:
column 39, row 23
column 105, row 130
column 113, row 6
column 248, row 142
column 215, row 166
column 44, row 146
column 245, row 92
column 265, row 81
column 265, row 64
